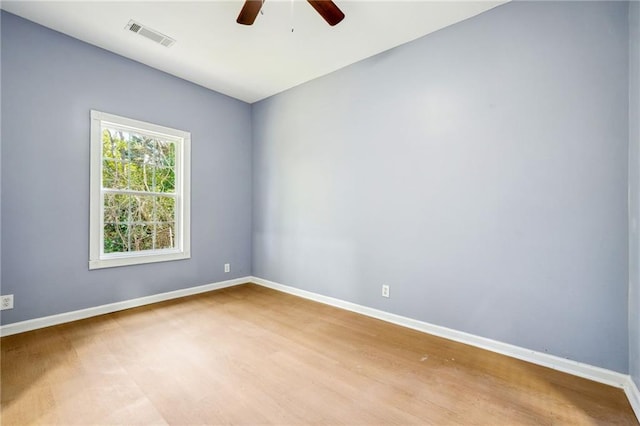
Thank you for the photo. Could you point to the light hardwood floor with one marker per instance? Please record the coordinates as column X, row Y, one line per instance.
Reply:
column 250, row 355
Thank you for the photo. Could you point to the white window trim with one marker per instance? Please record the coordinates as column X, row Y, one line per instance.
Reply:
column 183, row 195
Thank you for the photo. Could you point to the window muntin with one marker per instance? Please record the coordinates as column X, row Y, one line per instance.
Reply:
column 140, row 196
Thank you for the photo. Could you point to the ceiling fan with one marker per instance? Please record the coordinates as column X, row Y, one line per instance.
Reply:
column 326, row 8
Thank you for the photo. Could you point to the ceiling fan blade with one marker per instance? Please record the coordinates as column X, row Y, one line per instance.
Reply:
column 328, row 10
column 249, row 12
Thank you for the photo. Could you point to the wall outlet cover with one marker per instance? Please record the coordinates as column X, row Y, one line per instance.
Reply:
column 6, row 302
column 385, row 291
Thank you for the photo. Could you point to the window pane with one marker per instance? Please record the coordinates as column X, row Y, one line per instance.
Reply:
column 165, row 235
column 142, row 208
column 137, row 148
column 166, row 154
column 131, row 219
column 114, row 146
column 140, row 151
column 165, row 209
column 165, row 180
column 114, row 175
column 115, row 238
column 137, row 162
column 140, row 177
column 154, row 157
column 141, row 237
column 116, row 208
column 149, row 177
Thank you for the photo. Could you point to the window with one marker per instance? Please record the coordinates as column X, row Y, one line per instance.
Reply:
column 139, row 192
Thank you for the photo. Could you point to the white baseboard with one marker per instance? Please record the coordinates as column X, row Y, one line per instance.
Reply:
column 575, row 368
column 633, row 394
column 22, row 326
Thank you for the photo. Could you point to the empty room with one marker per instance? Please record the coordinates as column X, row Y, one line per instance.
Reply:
column 347, row 212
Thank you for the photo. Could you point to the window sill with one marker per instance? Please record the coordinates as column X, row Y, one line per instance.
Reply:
column 137, row 260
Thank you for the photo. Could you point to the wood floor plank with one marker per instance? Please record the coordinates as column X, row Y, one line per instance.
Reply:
column 251, row 355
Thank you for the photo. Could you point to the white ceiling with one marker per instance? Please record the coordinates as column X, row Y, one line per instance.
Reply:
column 248, row 62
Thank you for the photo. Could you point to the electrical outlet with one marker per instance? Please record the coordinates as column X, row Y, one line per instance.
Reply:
column 385, row 291
column 227, row 268
column 6, row 302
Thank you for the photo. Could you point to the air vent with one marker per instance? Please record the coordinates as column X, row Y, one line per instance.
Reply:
column 149, row 33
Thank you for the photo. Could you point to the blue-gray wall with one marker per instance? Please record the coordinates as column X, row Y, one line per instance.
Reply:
column 634, row 190
column 480, row 171
column 50, row 82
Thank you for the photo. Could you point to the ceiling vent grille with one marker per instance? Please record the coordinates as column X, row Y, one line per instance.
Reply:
column 149, row 33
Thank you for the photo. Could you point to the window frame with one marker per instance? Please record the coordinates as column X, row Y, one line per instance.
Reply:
column 182, row 139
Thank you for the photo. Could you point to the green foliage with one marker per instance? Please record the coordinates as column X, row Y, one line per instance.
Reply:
column 133, row 221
